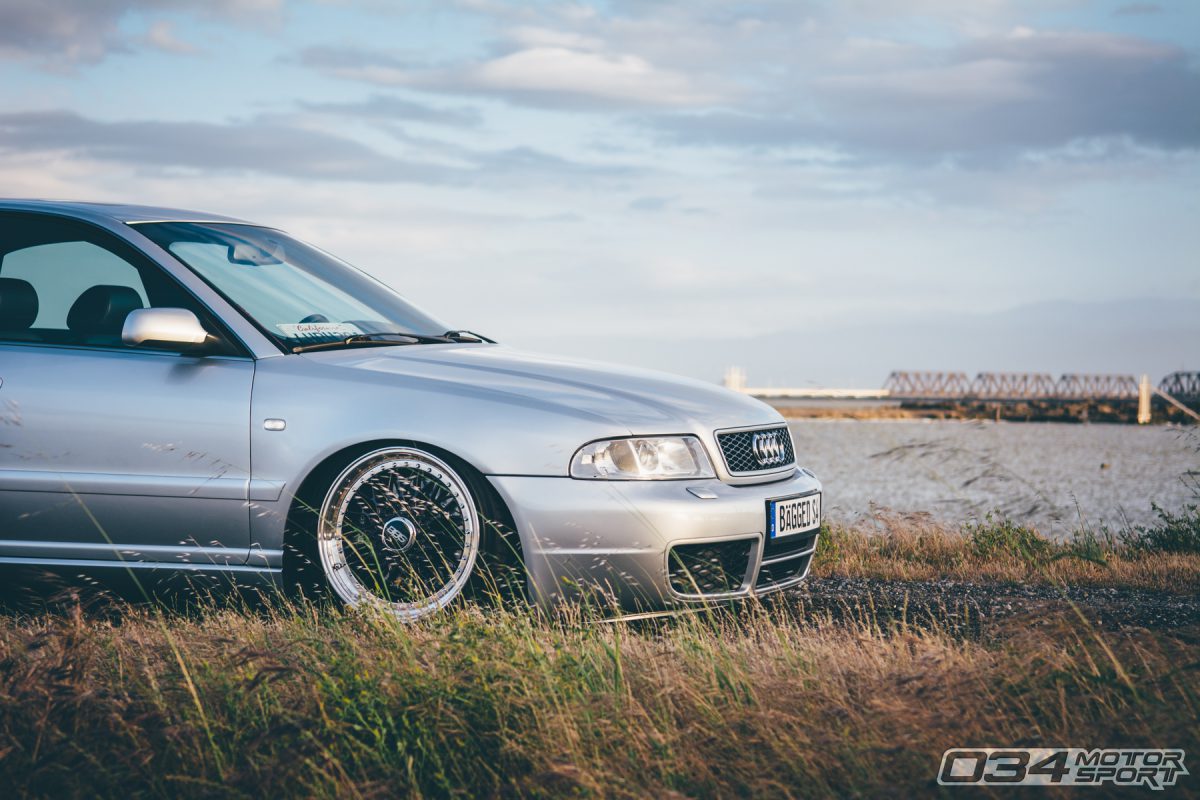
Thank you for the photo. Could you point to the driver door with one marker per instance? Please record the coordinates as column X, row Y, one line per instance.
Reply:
column 107, row 451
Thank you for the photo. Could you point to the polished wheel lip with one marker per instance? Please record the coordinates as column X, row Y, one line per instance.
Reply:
column 329, row 541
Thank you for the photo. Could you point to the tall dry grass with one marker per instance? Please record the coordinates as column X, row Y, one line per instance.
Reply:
column 912, row 547
column 298, row 701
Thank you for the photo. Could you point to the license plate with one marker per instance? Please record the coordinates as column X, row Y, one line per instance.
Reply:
column 793, row 515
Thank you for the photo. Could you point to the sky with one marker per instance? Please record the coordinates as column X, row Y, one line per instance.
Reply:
column 814, row 189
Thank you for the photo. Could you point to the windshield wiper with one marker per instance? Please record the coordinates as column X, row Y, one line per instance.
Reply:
column 394, row 338
column 370, row 339
column 468, row 336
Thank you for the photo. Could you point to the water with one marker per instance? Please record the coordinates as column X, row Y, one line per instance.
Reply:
column 1052, row 475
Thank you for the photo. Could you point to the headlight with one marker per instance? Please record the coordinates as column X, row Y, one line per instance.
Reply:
column 654, row 458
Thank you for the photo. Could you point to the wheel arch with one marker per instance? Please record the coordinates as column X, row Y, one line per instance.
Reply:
column 496, row 519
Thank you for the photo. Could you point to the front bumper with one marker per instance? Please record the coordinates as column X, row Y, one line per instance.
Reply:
column 626, row 538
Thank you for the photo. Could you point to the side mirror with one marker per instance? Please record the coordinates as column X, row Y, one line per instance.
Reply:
column 175, row 326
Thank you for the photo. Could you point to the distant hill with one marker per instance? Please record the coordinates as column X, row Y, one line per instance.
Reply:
column 1149, row 335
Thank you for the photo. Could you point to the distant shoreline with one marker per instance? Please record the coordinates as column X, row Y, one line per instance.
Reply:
column 1019, row 411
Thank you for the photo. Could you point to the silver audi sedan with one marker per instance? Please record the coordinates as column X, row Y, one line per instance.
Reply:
column 184, row 394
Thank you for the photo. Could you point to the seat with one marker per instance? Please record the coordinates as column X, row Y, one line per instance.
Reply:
column 98, row 316
column 18, row 309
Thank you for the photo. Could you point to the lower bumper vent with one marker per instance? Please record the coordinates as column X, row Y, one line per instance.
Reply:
column 785, row 559
column 715, row 568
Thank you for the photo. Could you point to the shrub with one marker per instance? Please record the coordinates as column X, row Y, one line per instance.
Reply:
column 829, row 545
column 1174, row 533
column 996, row 536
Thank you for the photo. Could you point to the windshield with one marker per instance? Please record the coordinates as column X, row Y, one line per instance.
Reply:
column 297, row 294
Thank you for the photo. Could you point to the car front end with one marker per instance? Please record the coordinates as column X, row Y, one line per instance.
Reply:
column 657, row 545
column 651, row 490
column 651, row 543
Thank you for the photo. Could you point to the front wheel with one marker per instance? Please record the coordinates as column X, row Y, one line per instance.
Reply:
column 398, row 529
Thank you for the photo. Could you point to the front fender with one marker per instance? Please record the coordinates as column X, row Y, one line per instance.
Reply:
column 325, row 412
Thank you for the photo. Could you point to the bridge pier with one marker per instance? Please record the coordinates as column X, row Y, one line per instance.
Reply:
column 1144, row 394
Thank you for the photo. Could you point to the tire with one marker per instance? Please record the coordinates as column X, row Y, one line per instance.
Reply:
column 399, row 530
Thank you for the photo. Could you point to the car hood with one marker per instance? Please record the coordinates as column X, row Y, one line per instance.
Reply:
column 633, row 400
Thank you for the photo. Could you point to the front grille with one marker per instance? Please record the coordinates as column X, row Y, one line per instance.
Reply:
column 715, row 568
column 785, row 559
column 738, row 449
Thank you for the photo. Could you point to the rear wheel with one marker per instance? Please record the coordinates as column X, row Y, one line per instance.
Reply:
column 398, row 529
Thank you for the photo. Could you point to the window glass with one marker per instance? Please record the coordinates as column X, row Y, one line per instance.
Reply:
column 66, row 282
column 281, row 294
column 297, row 294
column 62, row 271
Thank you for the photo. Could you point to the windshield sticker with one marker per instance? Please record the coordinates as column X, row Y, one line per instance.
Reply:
column 319, row 330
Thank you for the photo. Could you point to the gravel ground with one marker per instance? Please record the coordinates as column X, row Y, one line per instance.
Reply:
column 958, row 607
column 976, row 608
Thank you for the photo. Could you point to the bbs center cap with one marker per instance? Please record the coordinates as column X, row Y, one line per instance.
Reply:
column 399, row 533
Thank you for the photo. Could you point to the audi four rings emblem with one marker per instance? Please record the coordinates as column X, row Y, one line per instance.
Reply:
column 768, row 448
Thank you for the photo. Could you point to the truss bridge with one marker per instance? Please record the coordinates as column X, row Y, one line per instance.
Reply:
column 910, row 385
column 1028, row 395
column 1183, row 386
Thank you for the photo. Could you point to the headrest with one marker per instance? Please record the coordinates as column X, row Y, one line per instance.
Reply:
column 102, row 310
column 18, row 304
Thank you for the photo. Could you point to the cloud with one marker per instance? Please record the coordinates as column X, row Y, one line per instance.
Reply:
column 777, row 74
column 977, row 82
column 161, row 35
column 651, row 204
column 256, row 146
column 276, row 146
column 562, row 73
column 548, row 74
column 534, row 36
column 988, row 99
column 388, row 108
column 70, row 32
column 63, row 33
column 363, row 65
column 1138, row 9
column 528, row 162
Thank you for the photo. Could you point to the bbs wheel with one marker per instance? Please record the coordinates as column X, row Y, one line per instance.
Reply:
column 398, row 529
